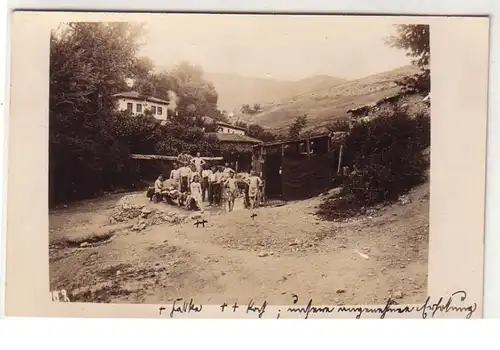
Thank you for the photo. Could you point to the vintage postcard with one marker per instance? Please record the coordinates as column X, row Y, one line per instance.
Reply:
column 249, row 166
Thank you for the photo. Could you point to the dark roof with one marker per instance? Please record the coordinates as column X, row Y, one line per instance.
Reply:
column 235, row 138
column 334, row 135
column 230, row 126
column 137, row 96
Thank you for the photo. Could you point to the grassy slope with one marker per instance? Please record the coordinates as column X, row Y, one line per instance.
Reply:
column 325, row 106
column 235, row 90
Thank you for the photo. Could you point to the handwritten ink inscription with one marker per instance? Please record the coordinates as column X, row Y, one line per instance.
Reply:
column 457, row 303
column 183, row 308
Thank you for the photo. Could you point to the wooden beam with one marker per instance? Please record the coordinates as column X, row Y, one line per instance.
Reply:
column 160, row 157
column 308, row 148
column 340, row 158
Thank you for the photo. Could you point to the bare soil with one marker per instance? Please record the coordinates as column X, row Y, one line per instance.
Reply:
column 282, row 251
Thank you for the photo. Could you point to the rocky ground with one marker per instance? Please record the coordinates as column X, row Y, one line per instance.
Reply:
column 125, row 249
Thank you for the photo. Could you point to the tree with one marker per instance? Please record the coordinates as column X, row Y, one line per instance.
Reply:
column 196, row 95
column 296, row 128
column 415, row 40
column 246, row 109
column 89, row 62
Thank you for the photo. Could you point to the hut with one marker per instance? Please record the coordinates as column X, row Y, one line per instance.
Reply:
column 237, row 147
column 299, row 169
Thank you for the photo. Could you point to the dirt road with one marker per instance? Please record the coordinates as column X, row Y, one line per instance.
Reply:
column 282, row 251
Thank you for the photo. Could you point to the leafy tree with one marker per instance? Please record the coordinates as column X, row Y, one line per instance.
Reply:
column 415, row 40
column 90, row 141
column 246, row 109
column 89, row 62
column 196, row 95
column 296, row 128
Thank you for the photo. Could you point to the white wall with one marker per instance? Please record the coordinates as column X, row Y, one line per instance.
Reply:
column 227, row 130
column 123, row 102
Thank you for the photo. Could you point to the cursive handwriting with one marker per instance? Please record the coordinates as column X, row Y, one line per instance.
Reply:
column 456, row 303
column 260, row 310
column 186, row 307
column 449, row 306
column 309, row 308
column 388, row 308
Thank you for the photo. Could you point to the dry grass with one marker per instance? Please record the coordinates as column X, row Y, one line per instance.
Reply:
column 326, row 106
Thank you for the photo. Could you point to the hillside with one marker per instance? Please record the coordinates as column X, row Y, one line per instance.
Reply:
column 326, row 105
column 235, row 90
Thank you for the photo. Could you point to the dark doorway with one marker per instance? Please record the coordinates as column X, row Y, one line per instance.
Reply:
column 273, row 175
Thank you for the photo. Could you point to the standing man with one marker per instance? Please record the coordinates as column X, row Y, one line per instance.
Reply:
column 185, row 175
column 212, row 184
column 227, row 170
column 205, row 183
column 174, row 174
column 159, row 188
column 254, row 185
column 217, row 186
column 231, row 189
column 198, row 163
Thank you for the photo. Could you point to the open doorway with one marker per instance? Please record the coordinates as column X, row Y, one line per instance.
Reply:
column 273, row 175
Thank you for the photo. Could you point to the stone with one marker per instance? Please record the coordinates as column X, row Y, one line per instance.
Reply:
column 84, row 244
column 262, row 254
column 343, row 246
column 340, row 291
column 398, row 295
column 118, row 273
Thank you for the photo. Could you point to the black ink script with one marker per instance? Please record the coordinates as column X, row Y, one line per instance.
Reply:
column 259, row 309
column 184, row 307
column 382, row 311
column 450, row 305
column 309, row 308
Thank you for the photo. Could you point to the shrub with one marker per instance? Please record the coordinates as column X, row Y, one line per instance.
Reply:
column 387, row 154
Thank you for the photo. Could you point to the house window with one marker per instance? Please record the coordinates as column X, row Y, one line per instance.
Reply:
column 160, row 111
column 139, row 108
column 130, row 107
column 153, row 109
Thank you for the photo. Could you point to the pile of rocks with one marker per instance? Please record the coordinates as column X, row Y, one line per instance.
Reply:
column 125, row 210
column 150, row 217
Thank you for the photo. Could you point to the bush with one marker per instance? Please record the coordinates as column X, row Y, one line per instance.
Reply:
column 387, row 154
column 84, row 164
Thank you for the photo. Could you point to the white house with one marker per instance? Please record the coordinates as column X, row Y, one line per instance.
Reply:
column 224, row 128
column 136, row 104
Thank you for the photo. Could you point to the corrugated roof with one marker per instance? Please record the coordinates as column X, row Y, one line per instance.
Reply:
column 236, row 138
column 137, row 96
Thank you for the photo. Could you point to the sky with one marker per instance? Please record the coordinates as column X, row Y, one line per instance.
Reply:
column 275, row 47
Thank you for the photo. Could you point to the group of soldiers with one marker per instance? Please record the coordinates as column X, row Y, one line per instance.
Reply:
column 193, row 180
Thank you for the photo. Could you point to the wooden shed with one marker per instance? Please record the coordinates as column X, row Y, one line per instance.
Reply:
column 299, row 169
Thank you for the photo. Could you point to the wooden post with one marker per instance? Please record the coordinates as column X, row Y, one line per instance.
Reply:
column 236, row 167
column 308, row 147
column 282, row 151
column 329, row 144
column 340, row 158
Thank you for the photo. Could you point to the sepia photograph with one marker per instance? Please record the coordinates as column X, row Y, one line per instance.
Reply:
column 237, row 157
column 203, row 165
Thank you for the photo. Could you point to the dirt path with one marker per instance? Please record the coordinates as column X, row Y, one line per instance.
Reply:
column 282, row 251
